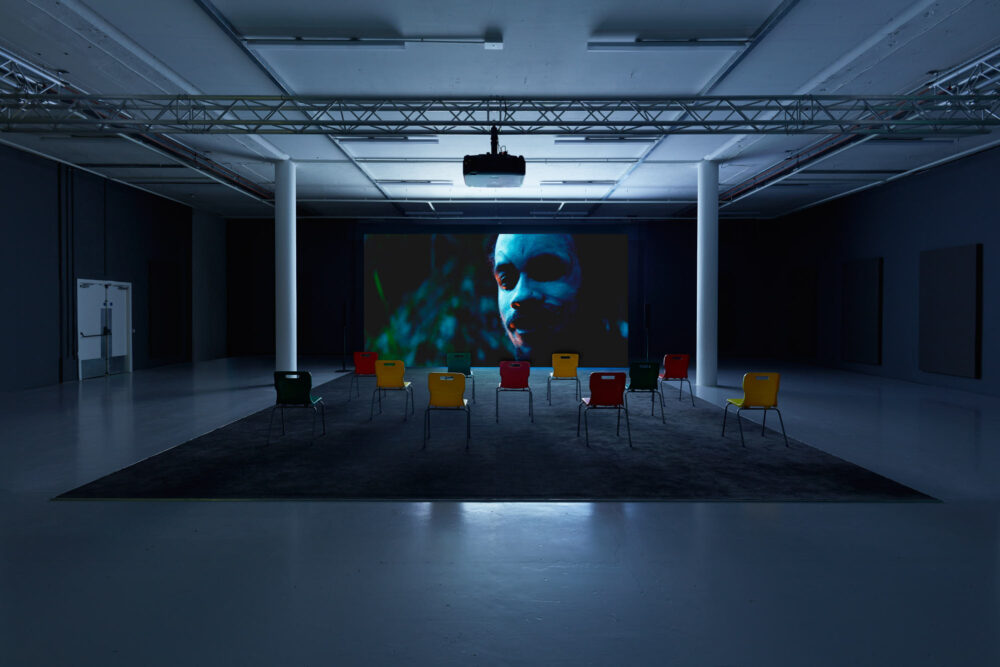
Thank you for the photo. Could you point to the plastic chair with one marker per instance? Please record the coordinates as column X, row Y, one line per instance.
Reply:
column 461, row 362
column 447, row 393
column 294, row 390
column 364, row 367
column 607, row 391
column 675, row 367
column 514, row 377
column 642, row 376
column 760, row 392
column 564, row 365
column 389, row 377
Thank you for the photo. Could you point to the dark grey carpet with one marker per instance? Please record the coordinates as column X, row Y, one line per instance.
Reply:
column 684, row 459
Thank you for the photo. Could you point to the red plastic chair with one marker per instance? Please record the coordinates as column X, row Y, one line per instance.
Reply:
column 364, row 367
column 675, row 367
column 514, row 377
column 607, row 391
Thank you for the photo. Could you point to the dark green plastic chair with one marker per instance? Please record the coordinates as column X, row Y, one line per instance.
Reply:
column 294, row 390
column 461, row 362
column 643, row 376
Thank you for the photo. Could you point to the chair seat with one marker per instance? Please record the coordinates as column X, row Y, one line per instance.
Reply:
column 463, row 406
column 738, row 402
column 398, row 386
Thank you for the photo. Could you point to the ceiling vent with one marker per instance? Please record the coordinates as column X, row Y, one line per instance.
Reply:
column 494, row 169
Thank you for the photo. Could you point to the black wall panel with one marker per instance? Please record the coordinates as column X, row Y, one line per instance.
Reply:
column 951, row 310
column 29, row 271
column 861, row 311
column 64, row 224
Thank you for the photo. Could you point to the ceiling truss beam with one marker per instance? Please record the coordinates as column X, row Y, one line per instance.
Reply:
column 928, row 114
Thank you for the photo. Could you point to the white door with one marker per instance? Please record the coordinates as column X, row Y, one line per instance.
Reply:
column 104, row 321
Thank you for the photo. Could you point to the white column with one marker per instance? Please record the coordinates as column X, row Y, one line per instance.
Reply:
column 285, row 334
column 707, row 332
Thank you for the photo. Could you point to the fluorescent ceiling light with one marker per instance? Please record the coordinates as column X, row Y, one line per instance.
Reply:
column 603, row 139
column 436, row 213
column 667, row 44
column 409, row 181
column 587, row 182
column 326, row 42
column 390, row 138
column 491, row 43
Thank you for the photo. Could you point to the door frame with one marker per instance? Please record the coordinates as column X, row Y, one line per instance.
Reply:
column 128, row 328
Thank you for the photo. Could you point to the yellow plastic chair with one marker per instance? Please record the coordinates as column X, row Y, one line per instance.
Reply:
column 564, row 365
column 389, row 377
column 760, row 392
column 447, row 393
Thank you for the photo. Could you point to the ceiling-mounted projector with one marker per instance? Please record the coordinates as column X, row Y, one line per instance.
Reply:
column 494, row 169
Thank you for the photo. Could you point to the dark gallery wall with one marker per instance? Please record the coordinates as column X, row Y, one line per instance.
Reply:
column 946, row 207
column 29, row 270
column 208, row 286
column 63, row 224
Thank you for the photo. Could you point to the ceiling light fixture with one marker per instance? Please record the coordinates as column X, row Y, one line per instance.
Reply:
column 668, row 44
column 390, row 138
column 579, row 182
column 411, row 181
column 491, row 43
column 604, row 139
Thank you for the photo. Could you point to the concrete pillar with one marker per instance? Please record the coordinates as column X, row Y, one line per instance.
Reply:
column 707, row 331
column 285, row 332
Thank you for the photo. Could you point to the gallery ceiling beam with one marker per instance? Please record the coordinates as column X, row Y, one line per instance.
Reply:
column 207, row 114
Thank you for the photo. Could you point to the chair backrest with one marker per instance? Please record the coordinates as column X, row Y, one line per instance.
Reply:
column 447, row 389
column 460, row 362
column 293, row 387
column 389, row 373
column 642, row 375
column 675, row 366
column 607, row 389
column 514, row 374
column 364, row 363
column 564, row 364
column 760, row 390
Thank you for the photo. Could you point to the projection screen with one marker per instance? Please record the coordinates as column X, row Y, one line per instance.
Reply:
column 506, row 296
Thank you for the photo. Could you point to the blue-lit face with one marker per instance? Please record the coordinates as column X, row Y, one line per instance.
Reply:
column 538, row 277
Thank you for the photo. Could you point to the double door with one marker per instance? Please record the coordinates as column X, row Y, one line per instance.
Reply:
column 104, row 320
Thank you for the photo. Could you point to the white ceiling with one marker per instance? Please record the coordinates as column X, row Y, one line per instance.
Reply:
column 853, row 47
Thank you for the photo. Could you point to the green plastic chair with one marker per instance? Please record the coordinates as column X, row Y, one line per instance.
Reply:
column 643, row 376
column 461, row 362
column 294, row 390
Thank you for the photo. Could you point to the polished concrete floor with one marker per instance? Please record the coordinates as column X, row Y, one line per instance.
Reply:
column 395, row 583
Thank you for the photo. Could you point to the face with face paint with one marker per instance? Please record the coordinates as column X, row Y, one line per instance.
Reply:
column 538, row 277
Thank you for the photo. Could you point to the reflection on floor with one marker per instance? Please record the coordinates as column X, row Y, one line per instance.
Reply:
column 326, row 583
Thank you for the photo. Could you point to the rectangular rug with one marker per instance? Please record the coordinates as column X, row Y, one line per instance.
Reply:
column 685, row 458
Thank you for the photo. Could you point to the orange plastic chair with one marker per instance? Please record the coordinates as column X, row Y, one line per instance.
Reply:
column 364, row 367
column 607, row 391
column 447, row 393
column 514, row 377
column 760, row 392
column 675, row 367
column 564, row 365
column 389, row 377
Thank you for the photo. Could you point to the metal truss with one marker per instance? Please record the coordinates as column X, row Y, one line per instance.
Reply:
column 926, row 114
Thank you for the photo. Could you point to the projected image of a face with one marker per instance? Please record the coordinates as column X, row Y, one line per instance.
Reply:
column 524, row 296
column 538, row 279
